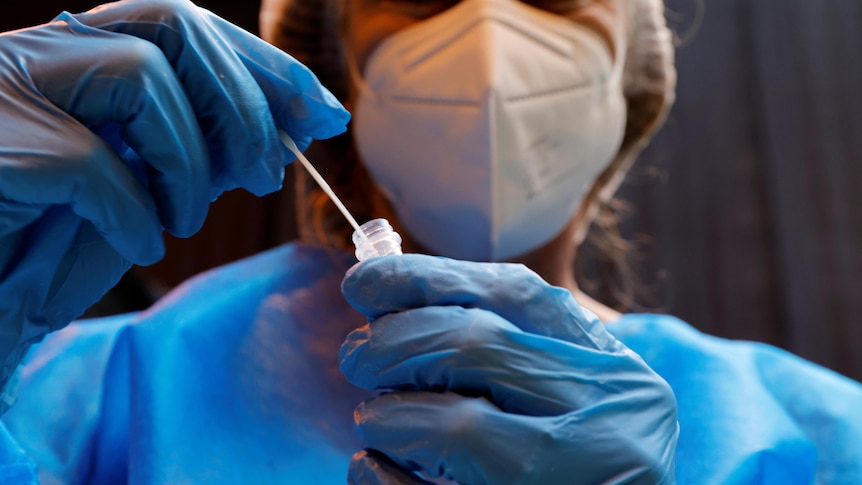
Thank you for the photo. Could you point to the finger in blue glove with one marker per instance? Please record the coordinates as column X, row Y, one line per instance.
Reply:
column 120, row 123
column 372, row 468
column 240, row 88
column 482, row 397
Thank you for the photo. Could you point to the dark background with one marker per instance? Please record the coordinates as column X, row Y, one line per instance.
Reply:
column 746, row 208
column 752, row 193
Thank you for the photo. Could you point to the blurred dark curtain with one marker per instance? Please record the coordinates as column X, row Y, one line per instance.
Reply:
column 751, row 196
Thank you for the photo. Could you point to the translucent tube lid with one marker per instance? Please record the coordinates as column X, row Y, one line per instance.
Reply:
column 377, row 238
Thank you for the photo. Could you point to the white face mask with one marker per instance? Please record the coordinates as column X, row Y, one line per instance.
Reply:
column 486, row 125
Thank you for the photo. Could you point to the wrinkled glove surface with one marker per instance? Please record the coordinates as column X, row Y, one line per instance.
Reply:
column 122, row 122
column 492, row 376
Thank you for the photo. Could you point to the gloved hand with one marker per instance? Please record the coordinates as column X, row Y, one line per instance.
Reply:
column 496, row 377
column 123, row 121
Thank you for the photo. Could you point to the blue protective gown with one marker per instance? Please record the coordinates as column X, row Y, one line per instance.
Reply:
column 232, row 378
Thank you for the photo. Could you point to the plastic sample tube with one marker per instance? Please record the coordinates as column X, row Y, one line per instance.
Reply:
column 375, row 237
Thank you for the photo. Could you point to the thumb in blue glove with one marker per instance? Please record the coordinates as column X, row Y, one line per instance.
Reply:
column 493, row 376
column 122, row 122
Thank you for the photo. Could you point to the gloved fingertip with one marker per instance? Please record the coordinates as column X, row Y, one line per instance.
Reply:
column 363, row 286
column 215, row 193
column 353, row 275
column 314, row 110
column 316, row 122
column 362, row 279
column 148, row 253
column 342, row 116
column 64, row 16
column 351, row 270
column 330, row 130
column 377, row 267
column 190, row 222
column 305, row 81
column 349, row 360
column 273, row 182
column 369, row 467
column 338, row 115
column 331, row 122
column 139, row 240
column 338, row 121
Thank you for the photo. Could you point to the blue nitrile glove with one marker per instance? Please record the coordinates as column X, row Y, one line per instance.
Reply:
column 497, row 377
column 122, row 122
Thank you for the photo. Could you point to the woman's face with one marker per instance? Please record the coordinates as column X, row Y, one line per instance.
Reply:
column 496, row 207
column 370, row 22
